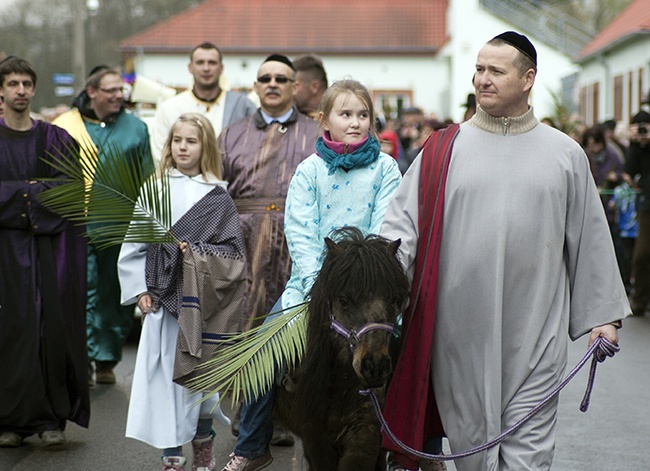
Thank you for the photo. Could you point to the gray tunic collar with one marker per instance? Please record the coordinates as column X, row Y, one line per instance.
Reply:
column 504, row 125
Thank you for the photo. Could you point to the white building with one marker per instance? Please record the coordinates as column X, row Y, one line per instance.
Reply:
column 615, row 67
column 408, row 52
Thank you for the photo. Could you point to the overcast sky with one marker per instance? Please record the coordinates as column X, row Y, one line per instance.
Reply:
column 5, row 3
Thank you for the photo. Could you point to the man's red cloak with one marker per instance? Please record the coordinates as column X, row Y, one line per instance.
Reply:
column 410, row 408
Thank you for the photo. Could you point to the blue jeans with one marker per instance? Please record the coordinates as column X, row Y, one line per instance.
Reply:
column 256, row 420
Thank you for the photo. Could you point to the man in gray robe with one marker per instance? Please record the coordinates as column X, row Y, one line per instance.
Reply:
column 525, row 258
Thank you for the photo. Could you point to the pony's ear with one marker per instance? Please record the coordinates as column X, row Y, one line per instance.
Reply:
column 394, row 245
column 332, row 247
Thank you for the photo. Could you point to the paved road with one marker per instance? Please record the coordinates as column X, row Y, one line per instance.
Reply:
column 612, row 435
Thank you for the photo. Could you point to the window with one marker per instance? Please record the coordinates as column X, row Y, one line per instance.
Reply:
column 618, row 97
column 390, row 103
column 595, row 94
column 630, row 90
column 642, row 92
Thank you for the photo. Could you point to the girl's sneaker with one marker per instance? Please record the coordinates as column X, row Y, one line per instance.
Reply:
column 173, row 463
column 203, row 454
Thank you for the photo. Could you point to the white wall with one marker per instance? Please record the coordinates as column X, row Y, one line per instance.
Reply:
column 421, row 75
column 631, row 57
column 424, row 76
column 473, row 27
column 440, row 83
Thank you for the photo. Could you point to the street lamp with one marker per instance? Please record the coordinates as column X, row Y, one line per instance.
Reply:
column 79, row 38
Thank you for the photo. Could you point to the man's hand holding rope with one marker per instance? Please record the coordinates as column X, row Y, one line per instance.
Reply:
column 608, row 331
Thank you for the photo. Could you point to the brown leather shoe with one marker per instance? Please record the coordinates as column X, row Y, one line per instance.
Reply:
column 104, row 373
column 10, row 440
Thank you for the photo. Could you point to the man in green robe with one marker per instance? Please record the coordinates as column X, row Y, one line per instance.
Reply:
column 102, row 126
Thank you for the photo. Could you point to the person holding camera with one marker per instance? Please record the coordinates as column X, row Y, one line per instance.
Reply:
column 638, row 163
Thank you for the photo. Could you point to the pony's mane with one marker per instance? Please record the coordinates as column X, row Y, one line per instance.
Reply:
column 359, row 268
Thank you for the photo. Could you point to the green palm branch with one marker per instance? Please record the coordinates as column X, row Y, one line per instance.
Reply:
column 248, row 363
column 115, row 196
column 561, row 114
column 125, row 204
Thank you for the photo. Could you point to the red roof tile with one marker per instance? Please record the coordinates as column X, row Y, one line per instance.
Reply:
column 634, row 20
column 295, row 26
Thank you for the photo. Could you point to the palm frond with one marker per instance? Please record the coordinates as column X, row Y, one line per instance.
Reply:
column 114, row 195
column 248, row 363
column 561, row 114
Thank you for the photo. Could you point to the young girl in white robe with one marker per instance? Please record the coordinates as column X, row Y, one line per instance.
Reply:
column 161, row 412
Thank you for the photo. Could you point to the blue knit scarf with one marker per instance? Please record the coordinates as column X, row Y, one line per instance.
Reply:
column 364, row 155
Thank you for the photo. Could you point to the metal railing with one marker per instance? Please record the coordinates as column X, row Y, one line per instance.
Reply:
column 543, row 22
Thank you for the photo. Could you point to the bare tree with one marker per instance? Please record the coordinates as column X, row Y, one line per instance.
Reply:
column 595, row 13
column 41, row 32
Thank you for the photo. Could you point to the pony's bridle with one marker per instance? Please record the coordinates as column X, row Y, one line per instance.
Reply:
column 354, row 336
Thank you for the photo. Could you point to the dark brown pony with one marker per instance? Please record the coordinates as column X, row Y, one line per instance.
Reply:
column 361, row 283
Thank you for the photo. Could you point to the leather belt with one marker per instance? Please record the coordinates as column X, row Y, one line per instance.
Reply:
column 259, row 205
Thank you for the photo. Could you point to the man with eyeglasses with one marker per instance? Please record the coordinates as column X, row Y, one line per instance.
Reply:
column 260, row 154
column 103, row 127
column 206, row 97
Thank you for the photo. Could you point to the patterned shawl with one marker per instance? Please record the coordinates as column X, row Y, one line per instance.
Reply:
column 204, row 287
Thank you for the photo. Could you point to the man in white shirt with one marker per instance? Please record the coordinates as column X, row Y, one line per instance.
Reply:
column 205, row 97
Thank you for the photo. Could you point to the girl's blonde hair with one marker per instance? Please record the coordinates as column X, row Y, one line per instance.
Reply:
column 210, row 155
column 351, row 87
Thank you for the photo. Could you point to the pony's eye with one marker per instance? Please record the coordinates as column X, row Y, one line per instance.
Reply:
column 344, row 303
column 400, row 302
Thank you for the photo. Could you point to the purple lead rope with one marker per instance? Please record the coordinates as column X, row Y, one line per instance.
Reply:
column 600, row 350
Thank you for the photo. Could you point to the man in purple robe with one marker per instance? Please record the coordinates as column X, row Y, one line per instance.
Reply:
column 42, row 278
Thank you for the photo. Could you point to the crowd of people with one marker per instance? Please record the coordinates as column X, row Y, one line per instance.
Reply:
column 617, row 154
column 257, row 187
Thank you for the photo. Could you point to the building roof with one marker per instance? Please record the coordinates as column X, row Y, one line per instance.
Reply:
column 634, row 21
column 301, row 26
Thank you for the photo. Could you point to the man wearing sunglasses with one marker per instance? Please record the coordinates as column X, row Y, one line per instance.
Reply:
column 260, row 155
column 205, row 97
column 101, row 125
